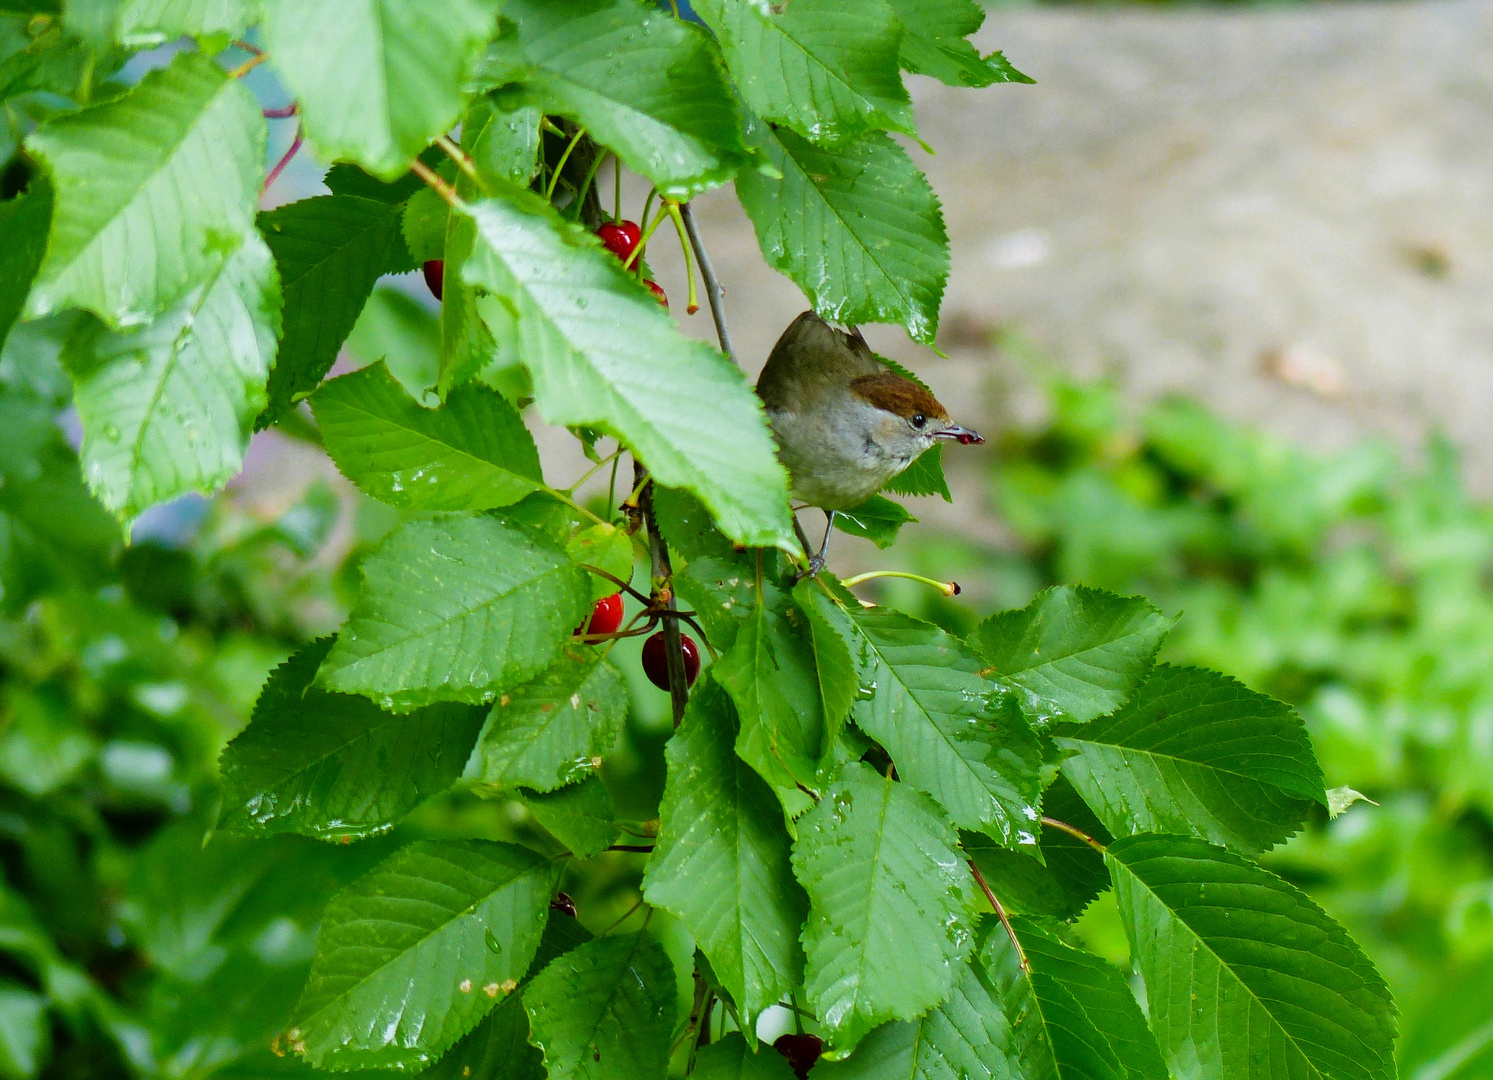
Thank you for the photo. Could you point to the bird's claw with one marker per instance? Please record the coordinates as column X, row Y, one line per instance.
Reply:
column 816, row 564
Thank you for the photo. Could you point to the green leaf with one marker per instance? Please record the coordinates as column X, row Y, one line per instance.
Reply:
column 769, row 673
column 831, row 631
column 335, row 765
column 472, row 453
column 923, row 477
column 854, row 224
column 1073, row 653
column 345, row 178
column 731, row 1059
column 124, row 243
column 723, row 594
column 423, row 226
column 825, row 68
column 891, row 903
column 580, row 816
column 377, row 80
column 405, row 961
column 497, row 1048
column 503, row 139
column 1073, row 1013
column 1241, row 968
column 722, row 860
column 1196, row 752
column 605, row 547
column 948, row 733
column 329, row 250
column 155, row 22
column 688, row 526
column 934, row 44
column 1062, row 876
column 456, row 608
column 877, row 519
column 603, row 354
column 1001, row 1023
column 552, row 731
column 605, row 1010
column 25, row 1035
column 397, row 329
column 640, row 81
column 24, row 222
column 167, row 408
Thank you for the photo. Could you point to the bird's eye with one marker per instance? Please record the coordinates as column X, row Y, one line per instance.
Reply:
column 918, row 420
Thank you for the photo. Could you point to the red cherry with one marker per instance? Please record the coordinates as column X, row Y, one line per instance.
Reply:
column 435, row 275
column 606, row 616
column 656, row 667
column 620, row 237
column 658, row 291
column 801, row 1051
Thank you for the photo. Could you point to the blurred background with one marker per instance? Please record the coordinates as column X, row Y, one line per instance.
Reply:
column 1219, row 301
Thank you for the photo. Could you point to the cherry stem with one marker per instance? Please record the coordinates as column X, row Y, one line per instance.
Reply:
column 580, row 199
column 461, row 157
column 948, row 588
column 713, row 291
column 637, row 251
column 647, row 208
column 252, row 50
column 1063, row 826
column 1000, row 913
column 274, row 174
column 283, row 113
column 642, row 849
column 624, row 586
column 249, row 64
column 443, row 189
column 684, row 246
column 625, row 916
column 602, row 464
column 560, row 165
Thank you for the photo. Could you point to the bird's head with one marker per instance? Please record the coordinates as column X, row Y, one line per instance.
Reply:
column 911, row 419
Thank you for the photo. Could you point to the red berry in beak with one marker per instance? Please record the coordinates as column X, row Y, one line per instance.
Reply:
column 435, row 275
column 620, row 237
column 656, row 666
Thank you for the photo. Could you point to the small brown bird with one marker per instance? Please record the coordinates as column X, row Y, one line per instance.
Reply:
column 845, row 422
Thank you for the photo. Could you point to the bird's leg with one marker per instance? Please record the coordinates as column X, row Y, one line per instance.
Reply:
column 816, row 564
column 802, row 536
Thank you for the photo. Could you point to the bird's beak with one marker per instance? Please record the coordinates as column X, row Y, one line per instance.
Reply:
column 962, row 435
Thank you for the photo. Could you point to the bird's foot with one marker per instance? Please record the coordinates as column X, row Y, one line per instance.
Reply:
column 816, row 564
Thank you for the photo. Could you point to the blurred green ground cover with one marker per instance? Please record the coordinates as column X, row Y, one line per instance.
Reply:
column 1352, row 586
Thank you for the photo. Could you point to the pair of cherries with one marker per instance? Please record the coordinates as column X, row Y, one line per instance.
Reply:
column 606, row 617
column 620, row 238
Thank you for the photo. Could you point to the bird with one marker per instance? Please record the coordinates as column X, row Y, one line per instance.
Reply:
column 844, row 421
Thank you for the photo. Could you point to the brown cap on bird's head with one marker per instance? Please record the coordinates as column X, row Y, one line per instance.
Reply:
column 889, row 391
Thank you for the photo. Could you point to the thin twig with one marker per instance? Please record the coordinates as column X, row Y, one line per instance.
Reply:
column 1063, row 826
column 274, row 174
column 663, row 586
column 713, row 291
column 1000, row 913
column 252, row 50
column 283, row 113
column 431, row 177
column 640, row 848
